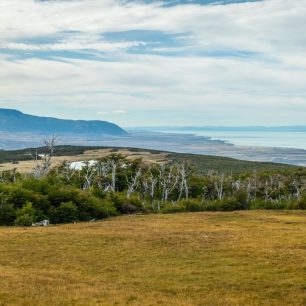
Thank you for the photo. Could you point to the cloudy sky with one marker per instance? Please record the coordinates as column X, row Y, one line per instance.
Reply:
column 150, row 63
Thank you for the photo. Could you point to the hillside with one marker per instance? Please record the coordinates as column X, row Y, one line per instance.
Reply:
column 22, row 160
column 15, row 121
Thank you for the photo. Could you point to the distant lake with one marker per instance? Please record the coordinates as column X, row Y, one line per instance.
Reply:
column 286, row 139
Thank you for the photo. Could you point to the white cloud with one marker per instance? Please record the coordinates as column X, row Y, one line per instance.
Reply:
column 113, row 112
column 204, row 79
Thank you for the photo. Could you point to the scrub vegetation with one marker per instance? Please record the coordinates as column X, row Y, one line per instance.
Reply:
column 115, row 184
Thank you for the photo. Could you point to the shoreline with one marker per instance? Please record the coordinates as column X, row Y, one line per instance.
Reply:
column 171, row 142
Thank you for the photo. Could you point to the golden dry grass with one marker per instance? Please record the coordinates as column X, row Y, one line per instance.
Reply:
column 239, row 258
column 146, row 156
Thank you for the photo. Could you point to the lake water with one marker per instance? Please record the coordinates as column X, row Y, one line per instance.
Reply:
column 287, row 139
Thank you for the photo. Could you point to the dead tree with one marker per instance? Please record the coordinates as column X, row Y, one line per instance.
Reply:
column 89, row 172
column 297, row 188
column 113, row 166
column 67, row 171
column 42, row 166
column 102, row 169
column 168, row 179
column 132, row 182
column 184, row 173
column 219, row 187
column 148, row 185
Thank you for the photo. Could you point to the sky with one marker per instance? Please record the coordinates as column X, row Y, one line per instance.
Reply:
column 156, row 63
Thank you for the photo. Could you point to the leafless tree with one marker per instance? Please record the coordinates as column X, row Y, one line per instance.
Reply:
column 219, row 186
column 113, row 166
column 102, row 169
column 148, row 186
column 42, row 166
column 89, row 172
column 297, row 188
column 67, row 171
column 168, row 179
column 132, row 182
column 184, row 173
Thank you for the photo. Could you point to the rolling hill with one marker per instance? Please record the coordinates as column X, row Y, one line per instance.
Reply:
column 22, row 160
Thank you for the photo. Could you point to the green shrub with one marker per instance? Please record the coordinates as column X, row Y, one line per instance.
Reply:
column 90, row 207
column 24, row 220
column 301, row 204
column 67, row 212
column 27, row 209
column 16, row 195
column 242, row 198
column 228, row 204
column 128, row 208
column 131, row 205
column 170, row 208
column 26, row 215
column 7, row 214
column 58, row 195
column 268, row 204
column 40, row 186
column 192, row 205
column 293, row 204
column 124, row 204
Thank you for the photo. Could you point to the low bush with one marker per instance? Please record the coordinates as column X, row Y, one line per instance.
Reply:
column 90, row 207
column 7, row 214
column 124, row 204
column 192, row 205
column 67, row 212
column 228, row 204
column 170, row 208
column 268, row 204
column 24, row 220
column 301, row 204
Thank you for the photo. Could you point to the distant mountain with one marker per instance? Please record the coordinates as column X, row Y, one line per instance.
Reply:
column 15, row 121
column 192, row 129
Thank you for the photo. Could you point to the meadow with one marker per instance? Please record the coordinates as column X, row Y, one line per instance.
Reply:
column 205, row 258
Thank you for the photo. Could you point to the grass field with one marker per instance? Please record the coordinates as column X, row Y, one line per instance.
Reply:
column 26, row 166
column 238, row 258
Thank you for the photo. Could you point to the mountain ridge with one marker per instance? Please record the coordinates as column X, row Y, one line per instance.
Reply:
column 12, row 120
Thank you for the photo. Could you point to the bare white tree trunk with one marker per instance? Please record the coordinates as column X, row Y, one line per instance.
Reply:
column 42, row 167
column 133, row 183
column 168, row 180
column 183, row 178
column 113, row 165
column 219, row 187
column 89, row 173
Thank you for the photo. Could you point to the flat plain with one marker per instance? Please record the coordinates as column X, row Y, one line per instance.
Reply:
column 235, row 258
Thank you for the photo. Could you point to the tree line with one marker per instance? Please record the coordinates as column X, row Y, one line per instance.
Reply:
column 117, row 185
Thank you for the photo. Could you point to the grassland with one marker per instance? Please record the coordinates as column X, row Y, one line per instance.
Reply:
column 23, row 161
column 26, row 166
column 239, row 258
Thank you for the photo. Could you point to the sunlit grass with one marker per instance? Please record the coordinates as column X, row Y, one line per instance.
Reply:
column 239, row 258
